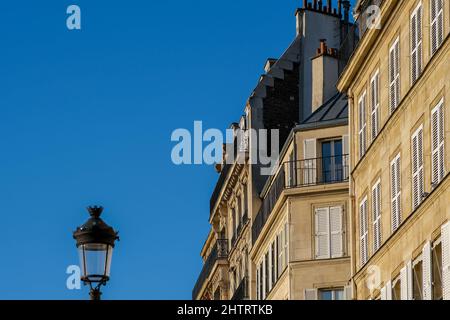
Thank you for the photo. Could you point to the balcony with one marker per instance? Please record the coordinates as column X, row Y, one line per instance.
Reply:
column 240, row 228
column 240, row 149
column 241, row 292
column 219, row 251
column 300, row 174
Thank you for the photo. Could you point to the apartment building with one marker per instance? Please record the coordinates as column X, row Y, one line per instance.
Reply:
column 259, row 223
column 398, row 84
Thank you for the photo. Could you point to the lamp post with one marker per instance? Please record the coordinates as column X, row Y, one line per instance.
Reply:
column 95, row 243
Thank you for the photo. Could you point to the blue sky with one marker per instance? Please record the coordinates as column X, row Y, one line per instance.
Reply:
column 86, row 118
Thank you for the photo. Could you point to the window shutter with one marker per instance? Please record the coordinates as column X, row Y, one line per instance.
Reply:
column 416, row 43
column 417, row 168
column 395, row 193
column 348, row 292
column 337, row 232
column 322, row 225
column 362, row 125
column 376, row 210
column 427, row 272
column 257, row 284
column 363, row 232
column 394, row 75
column 446, row 261
column 438, row 143
column 409, row 277
column 386, row 291
column 375, row 102
column 310, row 168
column 383, row 293
column 404, row 284
column 437, row 25
column 311, row 294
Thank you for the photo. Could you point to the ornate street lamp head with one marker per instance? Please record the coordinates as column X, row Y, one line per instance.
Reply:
column 95, row 242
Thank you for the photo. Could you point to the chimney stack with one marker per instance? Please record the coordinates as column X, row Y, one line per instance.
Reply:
column 325, row 73
column 346, row 5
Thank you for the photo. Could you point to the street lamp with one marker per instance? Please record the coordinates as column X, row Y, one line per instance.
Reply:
column 95, row 243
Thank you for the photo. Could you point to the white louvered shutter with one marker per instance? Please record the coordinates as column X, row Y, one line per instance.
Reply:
column 445, row 232
column 437, row 24
column 394, row 75
column 348, row 292
column 383, row 293
column 362, row 125
column 404, row 284
column 310, row 167
column 438, row 143
column 311, row 294
column 346, row 159
column 322, row 224
column 417, row 168
column 376, row 211
column 389, row 290
column 395, row 193
column 427, row 272
column 416, row 43
column 409, row 277
column 337, row 232
column 363, row 232
column 374, row 104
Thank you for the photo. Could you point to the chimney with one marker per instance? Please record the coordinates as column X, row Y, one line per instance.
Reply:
column 346, row 5
column 325, row 74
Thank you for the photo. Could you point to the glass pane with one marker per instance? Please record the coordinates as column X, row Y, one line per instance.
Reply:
column 339, row 294
column 417, row 281
column 326, row 295
column 95, row 261
column 326, row 162
column 437, row 272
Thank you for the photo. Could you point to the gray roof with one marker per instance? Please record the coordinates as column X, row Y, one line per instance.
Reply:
column 332, row 112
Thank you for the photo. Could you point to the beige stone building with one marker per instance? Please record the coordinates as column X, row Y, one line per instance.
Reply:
column 286, row 235
column 398, row 83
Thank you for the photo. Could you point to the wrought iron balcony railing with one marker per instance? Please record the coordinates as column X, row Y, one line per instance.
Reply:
column 297, row 174
column 219, row 251
column 242, row 292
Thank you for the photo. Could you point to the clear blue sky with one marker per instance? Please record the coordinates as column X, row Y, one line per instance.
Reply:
column 86, row 118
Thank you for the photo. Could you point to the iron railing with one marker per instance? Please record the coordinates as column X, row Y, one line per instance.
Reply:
column 242, row 292
column 240, row 146
column 297, row 174
column 219, row 251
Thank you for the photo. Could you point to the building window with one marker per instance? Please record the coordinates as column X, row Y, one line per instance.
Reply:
column 418, row 279
column 437, row 24
column 331, row 294
column 416, row 43
column 375, row 104
column 267, row 275
column 397, row 289
column 417, row 168
column 286, row 245
column 362, row 125
column 329, row 230
column 376, row 212
column 396, row 192
column 273, row 255
column 332, row 161
column 438, row 144
column 363, row 232
column 310, row 163
column 436, row 258
column 394, row 75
